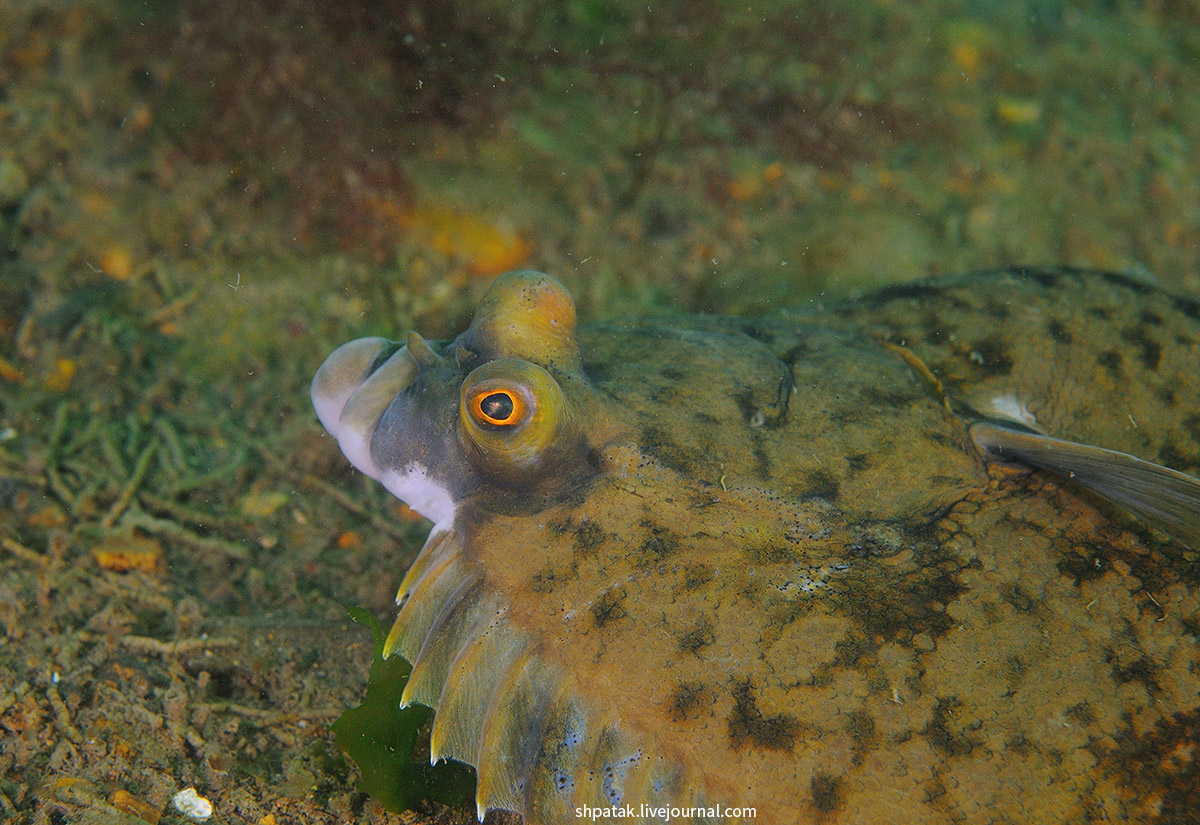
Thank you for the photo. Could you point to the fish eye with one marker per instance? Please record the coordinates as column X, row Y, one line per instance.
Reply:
column 500, row 408
column 512, row 418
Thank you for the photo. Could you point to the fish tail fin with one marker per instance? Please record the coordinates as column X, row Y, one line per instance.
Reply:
column 1164, row 498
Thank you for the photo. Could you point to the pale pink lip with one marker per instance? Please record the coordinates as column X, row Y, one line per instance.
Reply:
column 350, row 397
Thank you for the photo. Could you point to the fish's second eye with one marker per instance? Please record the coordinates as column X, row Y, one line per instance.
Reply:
column 499, row 408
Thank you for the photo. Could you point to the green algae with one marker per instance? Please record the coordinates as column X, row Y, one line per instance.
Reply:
column 380, row 737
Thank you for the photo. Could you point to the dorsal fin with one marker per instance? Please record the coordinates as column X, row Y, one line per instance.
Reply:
column 1164, row 498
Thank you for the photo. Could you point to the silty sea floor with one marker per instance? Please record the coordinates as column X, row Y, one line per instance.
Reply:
column 198, row 201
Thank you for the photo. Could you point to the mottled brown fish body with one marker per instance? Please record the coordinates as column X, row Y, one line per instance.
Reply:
column 1092, row 357
column 769, row 567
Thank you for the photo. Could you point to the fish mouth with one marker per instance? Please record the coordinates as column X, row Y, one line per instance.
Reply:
column 353, row 388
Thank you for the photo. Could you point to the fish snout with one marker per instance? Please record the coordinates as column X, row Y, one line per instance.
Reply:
column 353, row 388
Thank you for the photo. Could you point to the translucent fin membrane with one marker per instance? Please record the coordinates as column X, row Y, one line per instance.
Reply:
column 438, row 546
column 616, row 772
column 511, row 732
column 468, row 691
column 434, row 576
column 425, row 603
column 554, row 774
column 1164, row 498
column 459, row 620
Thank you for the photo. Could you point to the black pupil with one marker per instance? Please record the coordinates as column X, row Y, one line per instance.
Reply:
column 498, row 406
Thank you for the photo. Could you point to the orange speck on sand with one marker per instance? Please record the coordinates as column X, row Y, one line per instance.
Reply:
column 96, row 203
column 76, row 21
column 34, row 52
column 1019, row 112
column 262, row 504
column 828, row 181
column 140, row 117
column 744, row 187
column 59, row 379
column 267, row 819
column 123, row 671
column 10, row 373
column 125, row 801
column 508, row 253
column 966, row 58
column 486, row 249
column 964, row 181
column 348, row 540
column 117, row 262
column 47, row 517
column 483, row 247
column 127, row 553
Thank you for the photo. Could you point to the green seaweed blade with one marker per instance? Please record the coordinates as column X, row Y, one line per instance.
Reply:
column 380, row 737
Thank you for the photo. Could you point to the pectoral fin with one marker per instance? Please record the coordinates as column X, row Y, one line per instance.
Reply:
column 1164, row 498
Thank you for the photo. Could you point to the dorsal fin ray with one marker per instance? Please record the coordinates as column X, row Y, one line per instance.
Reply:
column 1164, row 498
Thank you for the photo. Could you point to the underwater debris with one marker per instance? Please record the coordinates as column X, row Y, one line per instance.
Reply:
column 192, row 805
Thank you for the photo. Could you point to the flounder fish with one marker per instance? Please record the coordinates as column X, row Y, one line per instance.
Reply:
column 924, row 557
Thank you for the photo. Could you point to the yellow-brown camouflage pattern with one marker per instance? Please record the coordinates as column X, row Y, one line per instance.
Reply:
column 769, row 567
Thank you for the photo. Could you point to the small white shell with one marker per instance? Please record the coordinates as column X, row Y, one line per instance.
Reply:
column 192, row 805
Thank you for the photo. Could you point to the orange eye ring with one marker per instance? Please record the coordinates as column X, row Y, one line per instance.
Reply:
column 498, row 407
column 512, row 418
